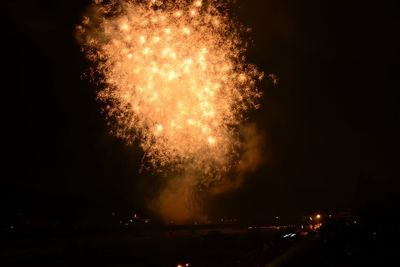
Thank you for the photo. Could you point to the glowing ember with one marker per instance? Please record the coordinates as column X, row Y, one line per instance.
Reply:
column 175, row 77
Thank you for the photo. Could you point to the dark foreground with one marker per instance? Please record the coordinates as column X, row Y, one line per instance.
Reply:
column 338, row 244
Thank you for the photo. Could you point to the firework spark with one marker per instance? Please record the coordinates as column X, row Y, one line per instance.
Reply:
column 175, row 78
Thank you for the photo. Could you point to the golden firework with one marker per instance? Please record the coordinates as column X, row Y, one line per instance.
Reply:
column 175, row 77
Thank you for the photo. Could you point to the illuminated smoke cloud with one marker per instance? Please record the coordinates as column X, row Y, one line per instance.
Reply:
column 174, row 76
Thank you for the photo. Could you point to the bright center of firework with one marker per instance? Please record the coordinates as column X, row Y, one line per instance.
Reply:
column 176, row 79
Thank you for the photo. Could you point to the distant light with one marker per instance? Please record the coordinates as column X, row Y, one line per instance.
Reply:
column 318, row 216
column 187, row 264
column 179, row 265
column 310, row 218
column 277, row 217
column 289, row 235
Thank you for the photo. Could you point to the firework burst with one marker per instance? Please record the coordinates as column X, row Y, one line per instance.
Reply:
column 174, row 76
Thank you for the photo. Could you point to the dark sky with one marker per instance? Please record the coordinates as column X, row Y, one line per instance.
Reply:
column 331, row 123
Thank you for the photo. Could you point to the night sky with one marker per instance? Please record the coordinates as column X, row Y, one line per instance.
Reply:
column 330, row 124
